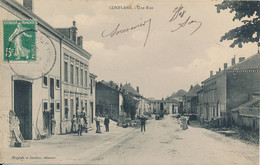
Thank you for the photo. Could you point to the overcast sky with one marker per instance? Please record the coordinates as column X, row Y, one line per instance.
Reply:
column 169, row 61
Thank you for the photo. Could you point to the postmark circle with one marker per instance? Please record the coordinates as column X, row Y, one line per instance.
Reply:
column 45, row 57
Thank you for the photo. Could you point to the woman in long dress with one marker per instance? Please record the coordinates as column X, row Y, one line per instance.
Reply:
column 74, row 124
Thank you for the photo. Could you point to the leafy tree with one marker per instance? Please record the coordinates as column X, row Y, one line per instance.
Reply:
column 129, row 105
column 248, row 13
column 102, row 109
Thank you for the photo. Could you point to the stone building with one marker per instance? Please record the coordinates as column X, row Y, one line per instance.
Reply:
column 230, row 88
column 109, row 101
column 190, row 100
column 247, row 115
column 55, row 86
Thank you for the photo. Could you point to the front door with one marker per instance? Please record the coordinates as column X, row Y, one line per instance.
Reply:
column 47, row 122
column 23, row 106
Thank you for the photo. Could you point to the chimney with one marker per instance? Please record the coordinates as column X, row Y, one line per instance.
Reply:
column 80, row 41
column 241, row 59
column 137, row 89
column 121, row 85
column 211, row 73
column 225, row 66
column 28, row 4
column 74, row 32
column 191, row 87
column 233, row 60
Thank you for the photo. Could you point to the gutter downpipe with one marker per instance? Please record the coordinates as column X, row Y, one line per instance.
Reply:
column 61, row 84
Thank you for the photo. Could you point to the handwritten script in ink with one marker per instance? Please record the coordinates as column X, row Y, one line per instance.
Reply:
column 179, row 16
column 119, row 30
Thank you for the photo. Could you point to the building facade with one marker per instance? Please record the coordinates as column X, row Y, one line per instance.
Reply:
column 230, row 88
column 109, row 101
column 190, row 100
column 54, row 94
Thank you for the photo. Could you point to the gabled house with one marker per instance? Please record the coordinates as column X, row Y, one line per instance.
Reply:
column 143, row 105
column 247, row 115
column 230, row 88
column 109, row 101
column 190, row 100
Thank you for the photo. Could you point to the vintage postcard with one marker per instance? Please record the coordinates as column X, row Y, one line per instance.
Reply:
column 129, row 82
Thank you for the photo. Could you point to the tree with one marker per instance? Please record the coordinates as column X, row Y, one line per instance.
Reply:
column 248, row 13
column 129, row 105
column 102, row 109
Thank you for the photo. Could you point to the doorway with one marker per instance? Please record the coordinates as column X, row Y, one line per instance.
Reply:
column 23, row 106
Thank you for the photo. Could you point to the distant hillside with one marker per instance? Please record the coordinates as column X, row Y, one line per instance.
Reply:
column 180, row 93
column 151, row 98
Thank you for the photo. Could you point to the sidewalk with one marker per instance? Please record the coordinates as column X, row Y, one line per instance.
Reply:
column 234, row 132
column 76, row 149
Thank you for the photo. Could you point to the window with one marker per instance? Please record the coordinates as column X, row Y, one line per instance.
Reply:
column 86, row 105
column 81, row 77
column 81, row 105
column 86, row 79
column 45, row 81
column 77, row 103
column 72, row 106
column 71, row 73
column 77, row 75
column 57, row 83
column 45, row 106
column 91, row 86
column 52, row 109
column 66, row 108
column 52, row 88
column 66, row 71
column 57, row 106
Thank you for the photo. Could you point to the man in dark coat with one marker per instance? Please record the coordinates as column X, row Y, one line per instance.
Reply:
column 143, row 119
column 106, row 123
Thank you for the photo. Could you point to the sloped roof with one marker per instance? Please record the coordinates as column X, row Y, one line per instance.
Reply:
column 193, row 91
column 251, row 63
column 129, row 89
column 251, row 102
column 105, row 85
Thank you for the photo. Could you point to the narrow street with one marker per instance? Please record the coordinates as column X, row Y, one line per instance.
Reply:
column 162, row 143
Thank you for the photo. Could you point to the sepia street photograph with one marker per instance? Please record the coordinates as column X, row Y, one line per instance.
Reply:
column 146, row 82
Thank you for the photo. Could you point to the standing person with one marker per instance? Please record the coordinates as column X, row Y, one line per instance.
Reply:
column 143, row 119
column 53, row 125
column 106, row 123
column 80, row 124
column 84, row 115
column 74, row 124
column 97, row 119
column 184, row 123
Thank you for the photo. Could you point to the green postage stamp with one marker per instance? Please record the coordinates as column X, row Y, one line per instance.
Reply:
column 19, row 40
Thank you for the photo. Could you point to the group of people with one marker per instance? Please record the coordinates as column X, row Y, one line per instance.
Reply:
column 79, row 122
column 183, row 121
column 98, row 121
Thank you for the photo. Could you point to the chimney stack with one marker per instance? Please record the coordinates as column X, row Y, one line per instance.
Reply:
column 241, row 59
column 233, row 60
column 28, row 4
column 225, row 66
column 74, row 32
column 80, row 41
column 137, row 89
column 211, row 73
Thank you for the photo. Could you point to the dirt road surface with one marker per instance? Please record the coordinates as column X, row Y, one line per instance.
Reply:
column 162, row 143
